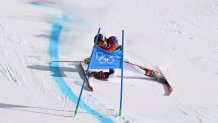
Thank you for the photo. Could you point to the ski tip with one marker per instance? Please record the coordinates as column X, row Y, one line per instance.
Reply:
column 88, row 88
column 170, row 91
column 169, row 94
column 91, row 89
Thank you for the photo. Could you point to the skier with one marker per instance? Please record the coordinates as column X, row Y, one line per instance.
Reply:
column 111, row 44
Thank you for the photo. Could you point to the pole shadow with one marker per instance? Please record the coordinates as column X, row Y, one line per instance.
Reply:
column 38, row 110
column 48, row 111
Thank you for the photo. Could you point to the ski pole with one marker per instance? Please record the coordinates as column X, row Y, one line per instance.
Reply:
column 121, row 88
column 84, row 80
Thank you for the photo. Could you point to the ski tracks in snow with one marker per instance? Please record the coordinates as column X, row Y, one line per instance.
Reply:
column 7, row 66
column 191, row 113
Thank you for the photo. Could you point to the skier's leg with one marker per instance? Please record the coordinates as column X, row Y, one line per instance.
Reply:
column 142, row 70
column 133, row 68
column 91, row 74
column 101, row 75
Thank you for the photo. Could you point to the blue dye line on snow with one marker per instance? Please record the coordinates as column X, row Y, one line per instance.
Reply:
column 57, row 27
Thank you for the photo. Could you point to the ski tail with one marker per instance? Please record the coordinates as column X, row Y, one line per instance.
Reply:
column 169, row 88
column 89, row 86
column 165, row 82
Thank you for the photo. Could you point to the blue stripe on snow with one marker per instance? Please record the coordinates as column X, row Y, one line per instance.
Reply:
column 57, row 27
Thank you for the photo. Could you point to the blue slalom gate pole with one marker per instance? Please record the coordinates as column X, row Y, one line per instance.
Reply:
column 121, row 89
column 84, row 79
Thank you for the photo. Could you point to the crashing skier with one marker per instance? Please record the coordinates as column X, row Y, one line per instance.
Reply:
column 111, row 44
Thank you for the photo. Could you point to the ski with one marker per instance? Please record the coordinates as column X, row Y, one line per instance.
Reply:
column 89, row 86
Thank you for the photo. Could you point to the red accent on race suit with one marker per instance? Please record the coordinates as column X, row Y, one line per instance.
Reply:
column 111, row 45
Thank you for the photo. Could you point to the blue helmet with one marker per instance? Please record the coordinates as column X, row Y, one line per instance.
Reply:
column 114, row 39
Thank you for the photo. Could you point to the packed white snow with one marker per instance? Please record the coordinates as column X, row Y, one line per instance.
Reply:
column 180, row 37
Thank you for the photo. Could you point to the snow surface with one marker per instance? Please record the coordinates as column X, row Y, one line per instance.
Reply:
column 178, row 36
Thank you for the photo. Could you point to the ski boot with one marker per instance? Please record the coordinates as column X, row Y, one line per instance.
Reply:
column 153, row 74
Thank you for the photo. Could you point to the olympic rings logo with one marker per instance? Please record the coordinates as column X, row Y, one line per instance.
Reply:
column 104, row 58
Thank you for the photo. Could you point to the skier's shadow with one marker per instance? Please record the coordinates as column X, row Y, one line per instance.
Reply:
column 58, row 71
column 44, row 110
